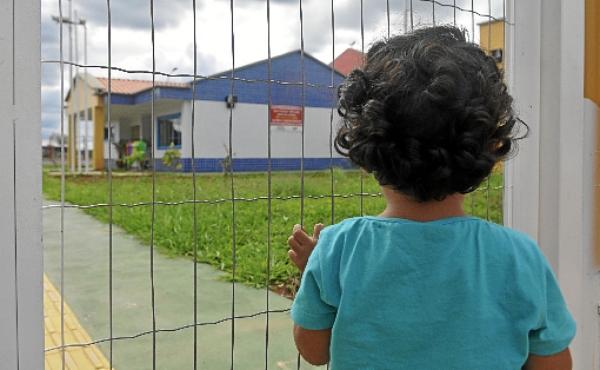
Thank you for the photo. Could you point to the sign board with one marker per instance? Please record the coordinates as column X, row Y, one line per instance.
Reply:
column 286, row 115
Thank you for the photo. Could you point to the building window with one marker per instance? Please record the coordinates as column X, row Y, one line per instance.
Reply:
column 169, row 131
column 106, row 133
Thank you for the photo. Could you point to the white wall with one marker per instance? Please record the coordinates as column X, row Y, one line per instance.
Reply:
column 21, row 317
column 250, row 132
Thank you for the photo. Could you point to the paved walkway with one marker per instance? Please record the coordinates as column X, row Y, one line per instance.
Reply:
column 86, row 291
column 89, row 357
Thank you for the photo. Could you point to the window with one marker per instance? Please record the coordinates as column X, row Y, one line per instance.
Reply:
column 169, row 131
column 82, row 115
column 106, row 133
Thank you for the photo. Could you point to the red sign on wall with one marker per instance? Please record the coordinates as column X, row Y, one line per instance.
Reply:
column 286, row 115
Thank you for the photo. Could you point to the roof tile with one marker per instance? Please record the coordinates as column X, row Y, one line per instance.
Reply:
column 131, row 87
column 348, row 61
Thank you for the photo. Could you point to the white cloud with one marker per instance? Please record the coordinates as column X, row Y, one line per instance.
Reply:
column 131, row 34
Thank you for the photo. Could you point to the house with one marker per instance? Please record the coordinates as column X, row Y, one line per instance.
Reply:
column 491, row 39
column 210, row 101
column 348, row 61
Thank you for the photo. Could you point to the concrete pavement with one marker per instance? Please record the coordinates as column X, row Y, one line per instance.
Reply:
column 86, row 289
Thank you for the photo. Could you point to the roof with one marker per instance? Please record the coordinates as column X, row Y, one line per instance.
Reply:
column 305, row 54
column 132, row 87
column 121, row 86
column 348, row 61
column 288, row 71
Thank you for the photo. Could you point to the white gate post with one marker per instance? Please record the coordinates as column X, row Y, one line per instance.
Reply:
column 521, row 209
column 21, row 316
column 549, row 192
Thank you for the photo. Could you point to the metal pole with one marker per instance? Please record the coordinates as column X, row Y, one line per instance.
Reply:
column 72, row 139
column 75, row 23
column 86, row 154
column 76, row 117
column 405, row 17
column 77, row 121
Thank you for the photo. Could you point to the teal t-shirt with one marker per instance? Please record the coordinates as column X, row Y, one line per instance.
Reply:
column 457, row 293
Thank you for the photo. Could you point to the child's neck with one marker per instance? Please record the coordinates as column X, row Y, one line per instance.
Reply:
column 402, row 206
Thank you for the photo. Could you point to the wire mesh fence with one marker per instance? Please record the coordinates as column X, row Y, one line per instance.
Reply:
column 246, row 212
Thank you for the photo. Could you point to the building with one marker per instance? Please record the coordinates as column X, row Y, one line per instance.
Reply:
column 348, row 61
column 491, row 39
column 294, row 112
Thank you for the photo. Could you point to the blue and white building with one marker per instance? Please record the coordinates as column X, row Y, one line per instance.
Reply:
column 295, row 112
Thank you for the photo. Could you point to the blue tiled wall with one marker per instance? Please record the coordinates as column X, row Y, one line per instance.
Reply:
column 257, row 164
column 287, row 68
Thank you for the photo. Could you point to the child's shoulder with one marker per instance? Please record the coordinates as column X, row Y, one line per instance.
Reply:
column 509, row 234
column 513, row 243
column 344, row 230
column 493, row 231
column 347, row 225
column 506, row 238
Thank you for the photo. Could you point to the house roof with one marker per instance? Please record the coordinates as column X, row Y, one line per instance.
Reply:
column 286, row 68
column 348, row 61
column 121, row 86
column 287, row 71
column 307, row 56
column 132, row 87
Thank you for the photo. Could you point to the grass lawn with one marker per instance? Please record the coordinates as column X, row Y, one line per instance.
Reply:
column 174, row 223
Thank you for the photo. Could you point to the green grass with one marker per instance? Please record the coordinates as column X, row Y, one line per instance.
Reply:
column 174, row 224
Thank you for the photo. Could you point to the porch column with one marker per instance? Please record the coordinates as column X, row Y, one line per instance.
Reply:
column 70, row 160
column 98, row 118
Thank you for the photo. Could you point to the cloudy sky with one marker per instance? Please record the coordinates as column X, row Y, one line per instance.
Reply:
column 131, row 34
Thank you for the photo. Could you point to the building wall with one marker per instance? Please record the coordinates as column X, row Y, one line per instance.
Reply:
column 81, row 97
column 250, row 138
column 592, row 52
column 491, row 37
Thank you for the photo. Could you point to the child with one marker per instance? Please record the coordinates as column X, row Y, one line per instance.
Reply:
column 423, row 286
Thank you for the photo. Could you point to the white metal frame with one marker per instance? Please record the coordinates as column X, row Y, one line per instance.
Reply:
column 549, row 184
column 548, row 192
column 21, row 316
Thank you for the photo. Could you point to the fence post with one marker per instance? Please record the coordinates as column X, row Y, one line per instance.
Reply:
column 21, row 316
column 549, row 191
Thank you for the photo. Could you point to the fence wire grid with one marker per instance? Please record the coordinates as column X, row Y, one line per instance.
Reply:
column 411, row 21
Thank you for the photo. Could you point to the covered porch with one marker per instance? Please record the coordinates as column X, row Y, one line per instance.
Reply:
column 131, row 118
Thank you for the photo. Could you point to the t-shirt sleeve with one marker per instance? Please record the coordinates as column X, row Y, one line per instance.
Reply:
column 310, row 309
column 557, row 327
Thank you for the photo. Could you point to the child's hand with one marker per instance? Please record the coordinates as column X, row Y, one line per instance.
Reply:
column 302, row 245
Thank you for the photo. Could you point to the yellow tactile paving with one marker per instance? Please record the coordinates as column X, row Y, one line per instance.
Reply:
column 76, row 358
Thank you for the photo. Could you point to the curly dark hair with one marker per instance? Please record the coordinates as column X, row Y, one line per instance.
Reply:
column 429, row 114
